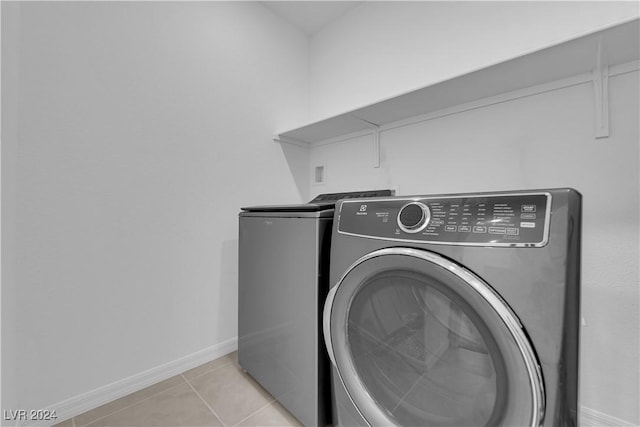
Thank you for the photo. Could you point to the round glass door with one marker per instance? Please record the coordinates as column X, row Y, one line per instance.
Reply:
column 418, row 340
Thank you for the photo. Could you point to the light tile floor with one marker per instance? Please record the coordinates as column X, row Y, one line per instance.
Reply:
column 218, row 393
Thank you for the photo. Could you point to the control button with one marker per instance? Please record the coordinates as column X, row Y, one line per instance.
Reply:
column 413, row 217
column 497, row 230
column 528, row 216
column 449, row 228
column 513, row 231
column 528, row 208
column 479, row 229
column 464, row 228
column 528, row 224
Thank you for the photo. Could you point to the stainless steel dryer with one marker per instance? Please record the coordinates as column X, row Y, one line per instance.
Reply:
column 456, row 310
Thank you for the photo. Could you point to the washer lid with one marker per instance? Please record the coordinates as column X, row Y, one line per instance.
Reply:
column 309, row 207
column 320, row 203
column 419, row 340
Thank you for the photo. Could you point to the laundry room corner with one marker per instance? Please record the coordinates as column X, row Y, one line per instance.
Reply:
column 298, row 159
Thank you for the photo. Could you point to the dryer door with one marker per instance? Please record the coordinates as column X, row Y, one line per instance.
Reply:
column 418, row 340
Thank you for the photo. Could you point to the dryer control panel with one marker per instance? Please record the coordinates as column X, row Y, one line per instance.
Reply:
column 517, row 219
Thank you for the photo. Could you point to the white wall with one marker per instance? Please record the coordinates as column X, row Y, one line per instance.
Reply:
column 133, row 134
column 382, row 49
column 541, row 141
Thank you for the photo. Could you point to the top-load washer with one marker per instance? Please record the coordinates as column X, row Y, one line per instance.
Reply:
column 282, row 282
column 456, row 310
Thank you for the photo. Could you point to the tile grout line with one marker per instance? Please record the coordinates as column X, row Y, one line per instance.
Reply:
column 140, row 401
column 128, row 406
column 269, row 403
column 255, row 412
column 73, row 419
column 202, row 399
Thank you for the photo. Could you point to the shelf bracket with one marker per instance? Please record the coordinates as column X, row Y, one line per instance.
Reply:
column 376, row 140
column 601, row 92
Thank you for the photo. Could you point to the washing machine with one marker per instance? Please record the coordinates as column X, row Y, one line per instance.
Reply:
column 455, row 310
column 283, row 269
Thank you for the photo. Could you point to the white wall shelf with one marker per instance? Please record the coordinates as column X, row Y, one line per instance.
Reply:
column 593, row 55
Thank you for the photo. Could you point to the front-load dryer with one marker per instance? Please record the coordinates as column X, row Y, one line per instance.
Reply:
column 456, row 310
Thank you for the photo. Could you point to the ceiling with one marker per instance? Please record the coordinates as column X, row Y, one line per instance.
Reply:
column 310, row 16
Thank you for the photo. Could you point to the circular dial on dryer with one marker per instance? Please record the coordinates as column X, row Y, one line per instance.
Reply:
column 413, row 217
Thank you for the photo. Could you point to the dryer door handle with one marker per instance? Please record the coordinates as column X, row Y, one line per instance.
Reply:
column 326, row 322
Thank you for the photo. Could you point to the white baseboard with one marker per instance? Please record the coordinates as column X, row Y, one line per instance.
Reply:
column 84, row 402
column 592, row 418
